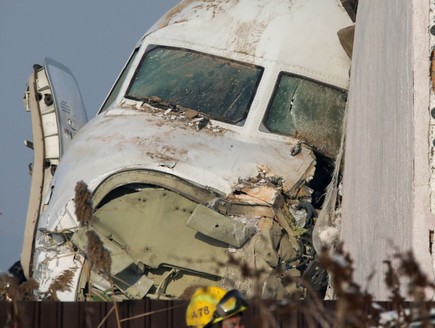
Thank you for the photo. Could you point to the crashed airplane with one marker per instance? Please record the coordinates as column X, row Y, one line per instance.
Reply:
column 218, row 141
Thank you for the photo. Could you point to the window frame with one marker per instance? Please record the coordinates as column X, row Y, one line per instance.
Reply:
column 264, row 128
column 152, row 47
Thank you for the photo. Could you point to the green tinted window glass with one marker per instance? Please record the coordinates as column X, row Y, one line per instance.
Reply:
column 220, row 88
column 309, row 111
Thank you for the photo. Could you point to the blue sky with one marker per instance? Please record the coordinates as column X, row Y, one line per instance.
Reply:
column 93, row 39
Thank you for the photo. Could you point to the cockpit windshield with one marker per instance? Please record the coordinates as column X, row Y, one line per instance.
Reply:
column 309, row 111
column 220, row 88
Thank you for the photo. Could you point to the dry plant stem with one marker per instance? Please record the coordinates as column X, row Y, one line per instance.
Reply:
column 83, row 203
column 62, row 283
column 83, row 211
column 13, row 320
column 118, row 322
column 105, row 317
column 87, row 269
column 316, row 317
column 316, row 306
column 97, row 254
column 341, row 313
column 101, row 295
column 151, row 313
column 267, row 319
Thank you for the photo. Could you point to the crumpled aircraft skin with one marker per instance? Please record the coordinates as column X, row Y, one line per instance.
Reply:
column 212, row 153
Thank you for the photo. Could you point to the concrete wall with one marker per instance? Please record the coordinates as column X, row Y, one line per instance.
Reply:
column 386, row 199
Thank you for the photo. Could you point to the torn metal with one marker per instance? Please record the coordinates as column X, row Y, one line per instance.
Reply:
column 261, row 223
column 209, row 161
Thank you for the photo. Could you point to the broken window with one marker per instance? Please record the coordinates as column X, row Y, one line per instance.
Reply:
column 220, row 88
column 308, row 111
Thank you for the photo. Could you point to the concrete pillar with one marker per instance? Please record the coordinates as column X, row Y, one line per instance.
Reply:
column 386, row 186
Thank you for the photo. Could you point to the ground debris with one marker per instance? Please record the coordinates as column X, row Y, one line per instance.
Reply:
column 282, row 246
column 189, row 117
column 261, row 195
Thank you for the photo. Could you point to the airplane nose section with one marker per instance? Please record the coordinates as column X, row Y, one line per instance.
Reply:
column 141, row 218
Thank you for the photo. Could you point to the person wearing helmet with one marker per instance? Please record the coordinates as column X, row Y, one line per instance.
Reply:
column 202, row 306
column 213, row 305
column 229, row 310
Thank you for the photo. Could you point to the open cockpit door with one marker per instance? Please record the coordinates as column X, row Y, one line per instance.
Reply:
column 54, row 101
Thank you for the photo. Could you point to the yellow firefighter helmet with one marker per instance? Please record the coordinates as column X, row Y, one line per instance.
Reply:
column 231, row 304
column 202, row 306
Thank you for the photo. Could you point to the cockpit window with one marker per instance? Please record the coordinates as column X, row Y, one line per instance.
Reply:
column 308, row 111
column 220, row 88
column 117, row 87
